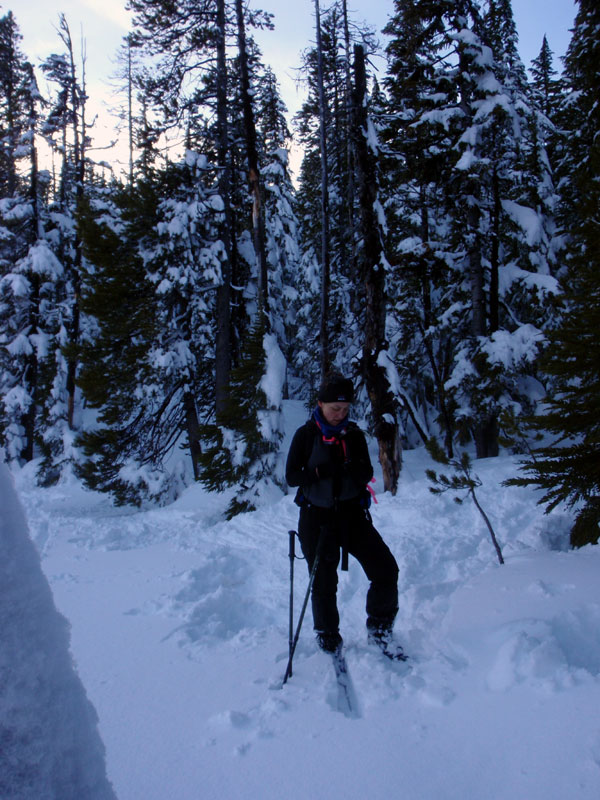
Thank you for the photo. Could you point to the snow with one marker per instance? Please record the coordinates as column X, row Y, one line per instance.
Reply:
column 540, row 282
column 20, row 346
column 509, row 348
column 49, row 742
column 528, row 220
column 42, row 261
column 273, row 380
column 180, row 629
column 18, row 284
column 467, row 160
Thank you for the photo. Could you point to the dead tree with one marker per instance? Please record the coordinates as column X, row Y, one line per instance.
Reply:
column 372, row 270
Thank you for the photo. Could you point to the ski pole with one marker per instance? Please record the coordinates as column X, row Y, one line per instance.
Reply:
column 288, row 671
column 292, row 554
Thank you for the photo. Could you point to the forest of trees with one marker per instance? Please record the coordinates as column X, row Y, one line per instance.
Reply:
column 441, row 247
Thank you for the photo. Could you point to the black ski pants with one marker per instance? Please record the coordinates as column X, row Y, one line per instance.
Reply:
column 350, row 525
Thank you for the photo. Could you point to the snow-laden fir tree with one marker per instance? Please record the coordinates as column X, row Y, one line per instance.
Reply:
column 567, row 468
column 341, row 293
column 544, row 83
column 241, row 447
column 474, row 239
column 147, row 367
column 281, row 221
column 64, row 128
column 29, row 271
column 413, row 123
column 372, row 270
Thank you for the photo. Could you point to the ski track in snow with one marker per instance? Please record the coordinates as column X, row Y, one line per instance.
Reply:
column 179, row 632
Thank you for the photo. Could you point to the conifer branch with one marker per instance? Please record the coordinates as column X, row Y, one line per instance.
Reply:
column 462, row 480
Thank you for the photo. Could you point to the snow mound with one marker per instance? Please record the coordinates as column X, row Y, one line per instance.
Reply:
column 50, row 748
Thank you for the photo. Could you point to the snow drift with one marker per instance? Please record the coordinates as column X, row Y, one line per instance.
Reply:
column 50, row 748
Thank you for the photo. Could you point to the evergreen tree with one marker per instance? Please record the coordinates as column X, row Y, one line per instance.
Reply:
column 65, row 131
column 117, row 296
column 472, row 244
column 547, row 93
column 15, row 93
column 413, row 121
column 159, row 247
column 324, row 126
column 568, row 469
column 281, row 221
column 544, row 83
column 239, row 452
column 29, row 271
column 373, row 268
column 240, row 448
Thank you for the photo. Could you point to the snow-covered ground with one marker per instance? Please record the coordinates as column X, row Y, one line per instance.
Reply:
column 180, row 627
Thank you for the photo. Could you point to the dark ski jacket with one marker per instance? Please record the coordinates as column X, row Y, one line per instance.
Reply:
column 343, row 464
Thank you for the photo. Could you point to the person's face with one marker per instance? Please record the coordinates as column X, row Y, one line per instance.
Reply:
column 334, row 413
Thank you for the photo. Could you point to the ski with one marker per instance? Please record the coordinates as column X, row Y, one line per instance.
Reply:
column 346, row 698
column 398, row 656
column 388, row 648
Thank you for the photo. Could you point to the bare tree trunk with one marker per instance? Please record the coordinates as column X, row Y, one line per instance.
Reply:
column 325, row 358
column 223, row 334
column 32, row 366
column 193, row 432
column 258, row 225
column 476, row 274
column 485, row 432
column 349, row 148
column 495, row 255
column 383, row 402
column 77, row 98
column 130, row 108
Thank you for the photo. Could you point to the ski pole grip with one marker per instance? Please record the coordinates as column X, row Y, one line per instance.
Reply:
column 292, row 552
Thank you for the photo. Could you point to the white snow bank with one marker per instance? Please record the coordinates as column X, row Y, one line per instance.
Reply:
column 49, row 744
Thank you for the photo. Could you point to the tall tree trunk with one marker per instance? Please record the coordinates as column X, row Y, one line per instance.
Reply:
column 193, row 431
column 223, row 333
column 485, row 433
column 10, row 137
column 350, row 189
column 130, row 107
column 495, row 254
column 325, row 357
column 32, row 366
column 476, row 270
column 258, row 225
column 383, row 403
column 77, row 99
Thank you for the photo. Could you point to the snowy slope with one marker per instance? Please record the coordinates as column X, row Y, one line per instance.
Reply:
column 49, row 742
column 179, row 630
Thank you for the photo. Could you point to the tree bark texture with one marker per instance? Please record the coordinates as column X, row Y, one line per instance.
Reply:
column 77, row 100
column 223, row 332
column 383, row 402
column 325, row 358
column 254, row 183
